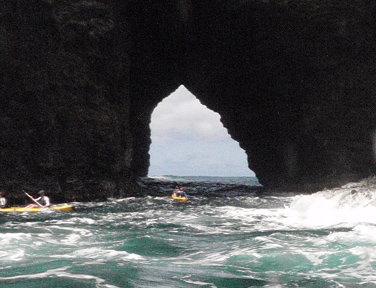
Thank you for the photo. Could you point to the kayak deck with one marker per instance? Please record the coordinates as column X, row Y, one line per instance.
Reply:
column 179, row 198
column 37, row 209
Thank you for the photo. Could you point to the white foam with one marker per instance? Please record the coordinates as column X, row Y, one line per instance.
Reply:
column 334, row 207
column 62, row 273
column 360, row 234
column 12, row 255
column 11, row 238
column 104, row 254
column 198, row 283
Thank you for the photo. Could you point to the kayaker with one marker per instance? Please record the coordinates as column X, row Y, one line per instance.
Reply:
column 43, row 200
column 181, row 193
column 176, row 191
column 3, row 200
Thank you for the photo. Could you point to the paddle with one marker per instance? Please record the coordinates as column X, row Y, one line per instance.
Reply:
column 33, row 199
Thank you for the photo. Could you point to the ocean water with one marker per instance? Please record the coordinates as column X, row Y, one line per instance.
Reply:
column 229, row 234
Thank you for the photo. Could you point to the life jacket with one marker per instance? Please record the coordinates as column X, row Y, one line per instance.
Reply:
column 3, row 202
column 44, row 201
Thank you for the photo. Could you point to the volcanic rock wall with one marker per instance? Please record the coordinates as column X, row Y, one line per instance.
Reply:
column 293, row 82
column 64, row 121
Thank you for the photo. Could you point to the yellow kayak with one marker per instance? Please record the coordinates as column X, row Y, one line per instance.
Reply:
column 179, row 199
column 37, row 209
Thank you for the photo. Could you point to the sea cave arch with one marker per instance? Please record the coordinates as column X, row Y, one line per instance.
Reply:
column 293, row 82
column 188, row 139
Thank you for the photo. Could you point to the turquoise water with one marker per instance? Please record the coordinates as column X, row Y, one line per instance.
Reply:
column 327, row 239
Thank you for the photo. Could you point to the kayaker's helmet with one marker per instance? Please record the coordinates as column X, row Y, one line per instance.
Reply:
column 41, row 192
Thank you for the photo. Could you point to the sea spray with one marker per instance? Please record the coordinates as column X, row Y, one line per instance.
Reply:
column 350, row 204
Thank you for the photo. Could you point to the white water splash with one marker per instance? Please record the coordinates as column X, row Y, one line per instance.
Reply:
column 350, row 204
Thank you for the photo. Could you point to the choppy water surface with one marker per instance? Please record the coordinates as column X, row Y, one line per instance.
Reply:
column 234, row 239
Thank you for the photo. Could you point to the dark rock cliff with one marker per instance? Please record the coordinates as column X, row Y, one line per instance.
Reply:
column 293, row 81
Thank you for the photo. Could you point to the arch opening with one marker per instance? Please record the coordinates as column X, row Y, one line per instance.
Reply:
column 188, row 139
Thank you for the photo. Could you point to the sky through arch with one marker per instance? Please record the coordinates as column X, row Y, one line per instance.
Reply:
column 188, row 139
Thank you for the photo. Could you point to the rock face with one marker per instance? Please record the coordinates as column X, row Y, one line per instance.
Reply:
column 293, row 81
